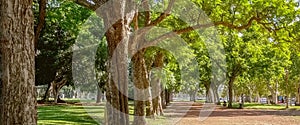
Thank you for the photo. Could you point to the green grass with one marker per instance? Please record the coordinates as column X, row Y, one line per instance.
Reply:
column 265, row 106
column 77, row 115
column 201, row 101
column 70, row 114
column 67, row 115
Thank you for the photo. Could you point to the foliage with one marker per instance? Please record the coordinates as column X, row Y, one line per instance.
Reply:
column 54, row 54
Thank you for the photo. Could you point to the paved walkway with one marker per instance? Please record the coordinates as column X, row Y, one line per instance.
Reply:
column 187, row 113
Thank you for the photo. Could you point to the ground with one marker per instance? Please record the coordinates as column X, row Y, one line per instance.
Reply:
column 222, row 116
column 178, row 113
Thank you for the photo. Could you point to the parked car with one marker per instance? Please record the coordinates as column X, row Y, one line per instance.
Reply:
column 263, row 100
column 223, row 99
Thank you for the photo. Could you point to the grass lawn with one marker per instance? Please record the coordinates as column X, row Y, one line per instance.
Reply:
column 77, row 115
column 71, row 114
column 66, row 115
column 265, row 106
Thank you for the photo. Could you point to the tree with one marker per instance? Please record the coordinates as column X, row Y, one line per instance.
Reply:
column 58, row 34
column 17, row 49
column 233, row 16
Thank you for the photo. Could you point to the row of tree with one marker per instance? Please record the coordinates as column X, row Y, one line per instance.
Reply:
column 258, row 40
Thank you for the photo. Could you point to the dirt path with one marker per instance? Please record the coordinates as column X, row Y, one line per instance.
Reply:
column 187, row 113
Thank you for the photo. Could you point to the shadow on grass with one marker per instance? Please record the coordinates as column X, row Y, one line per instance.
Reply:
column 66, row 114
column 71, row 114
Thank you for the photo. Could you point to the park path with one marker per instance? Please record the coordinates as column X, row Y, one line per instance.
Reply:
column 187, row 113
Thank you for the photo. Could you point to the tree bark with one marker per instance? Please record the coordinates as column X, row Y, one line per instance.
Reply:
column 208, row 98
column 99, row 95
column 156, row 86
column 193, row 96
column 117, row 18
column 273, row 92
column 1, row 98
column 258, row 97
column 163, row 98
column 139, row 77
column 214, row 94
column 149, row 107
column 298, row 94
column 46, row 96
column 56, row 87
column 230, row 91
column 250, row 96
column 41, row 21
column 287, row 89
column 17, row 48
column 168, row 96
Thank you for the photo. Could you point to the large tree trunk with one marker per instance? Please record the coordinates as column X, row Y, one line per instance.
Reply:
column 56, row 87
column 140, row 91
column 17, row 48
column 156, row 86
column 117, row 18
column 0, row 83
column 149, row 107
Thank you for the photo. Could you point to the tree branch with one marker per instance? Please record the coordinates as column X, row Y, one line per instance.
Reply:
column 90, row 4
column 163, row 15
column 136, row 21
column 201, row 26
column 41, row 21
column 146, row 5
column 219, row 23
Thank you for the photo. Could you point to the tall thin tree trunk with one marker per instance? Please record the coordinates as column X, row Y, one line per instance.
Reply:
column 163, row 98
column 287, row 101
column 99, row 95
column 230, row 91
column 17, row 48
column 168, row 96
column 148, row 94
column 286, row 89
column 156, row 85
column 298, row 94
column 46, row 95
column 250, row 96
